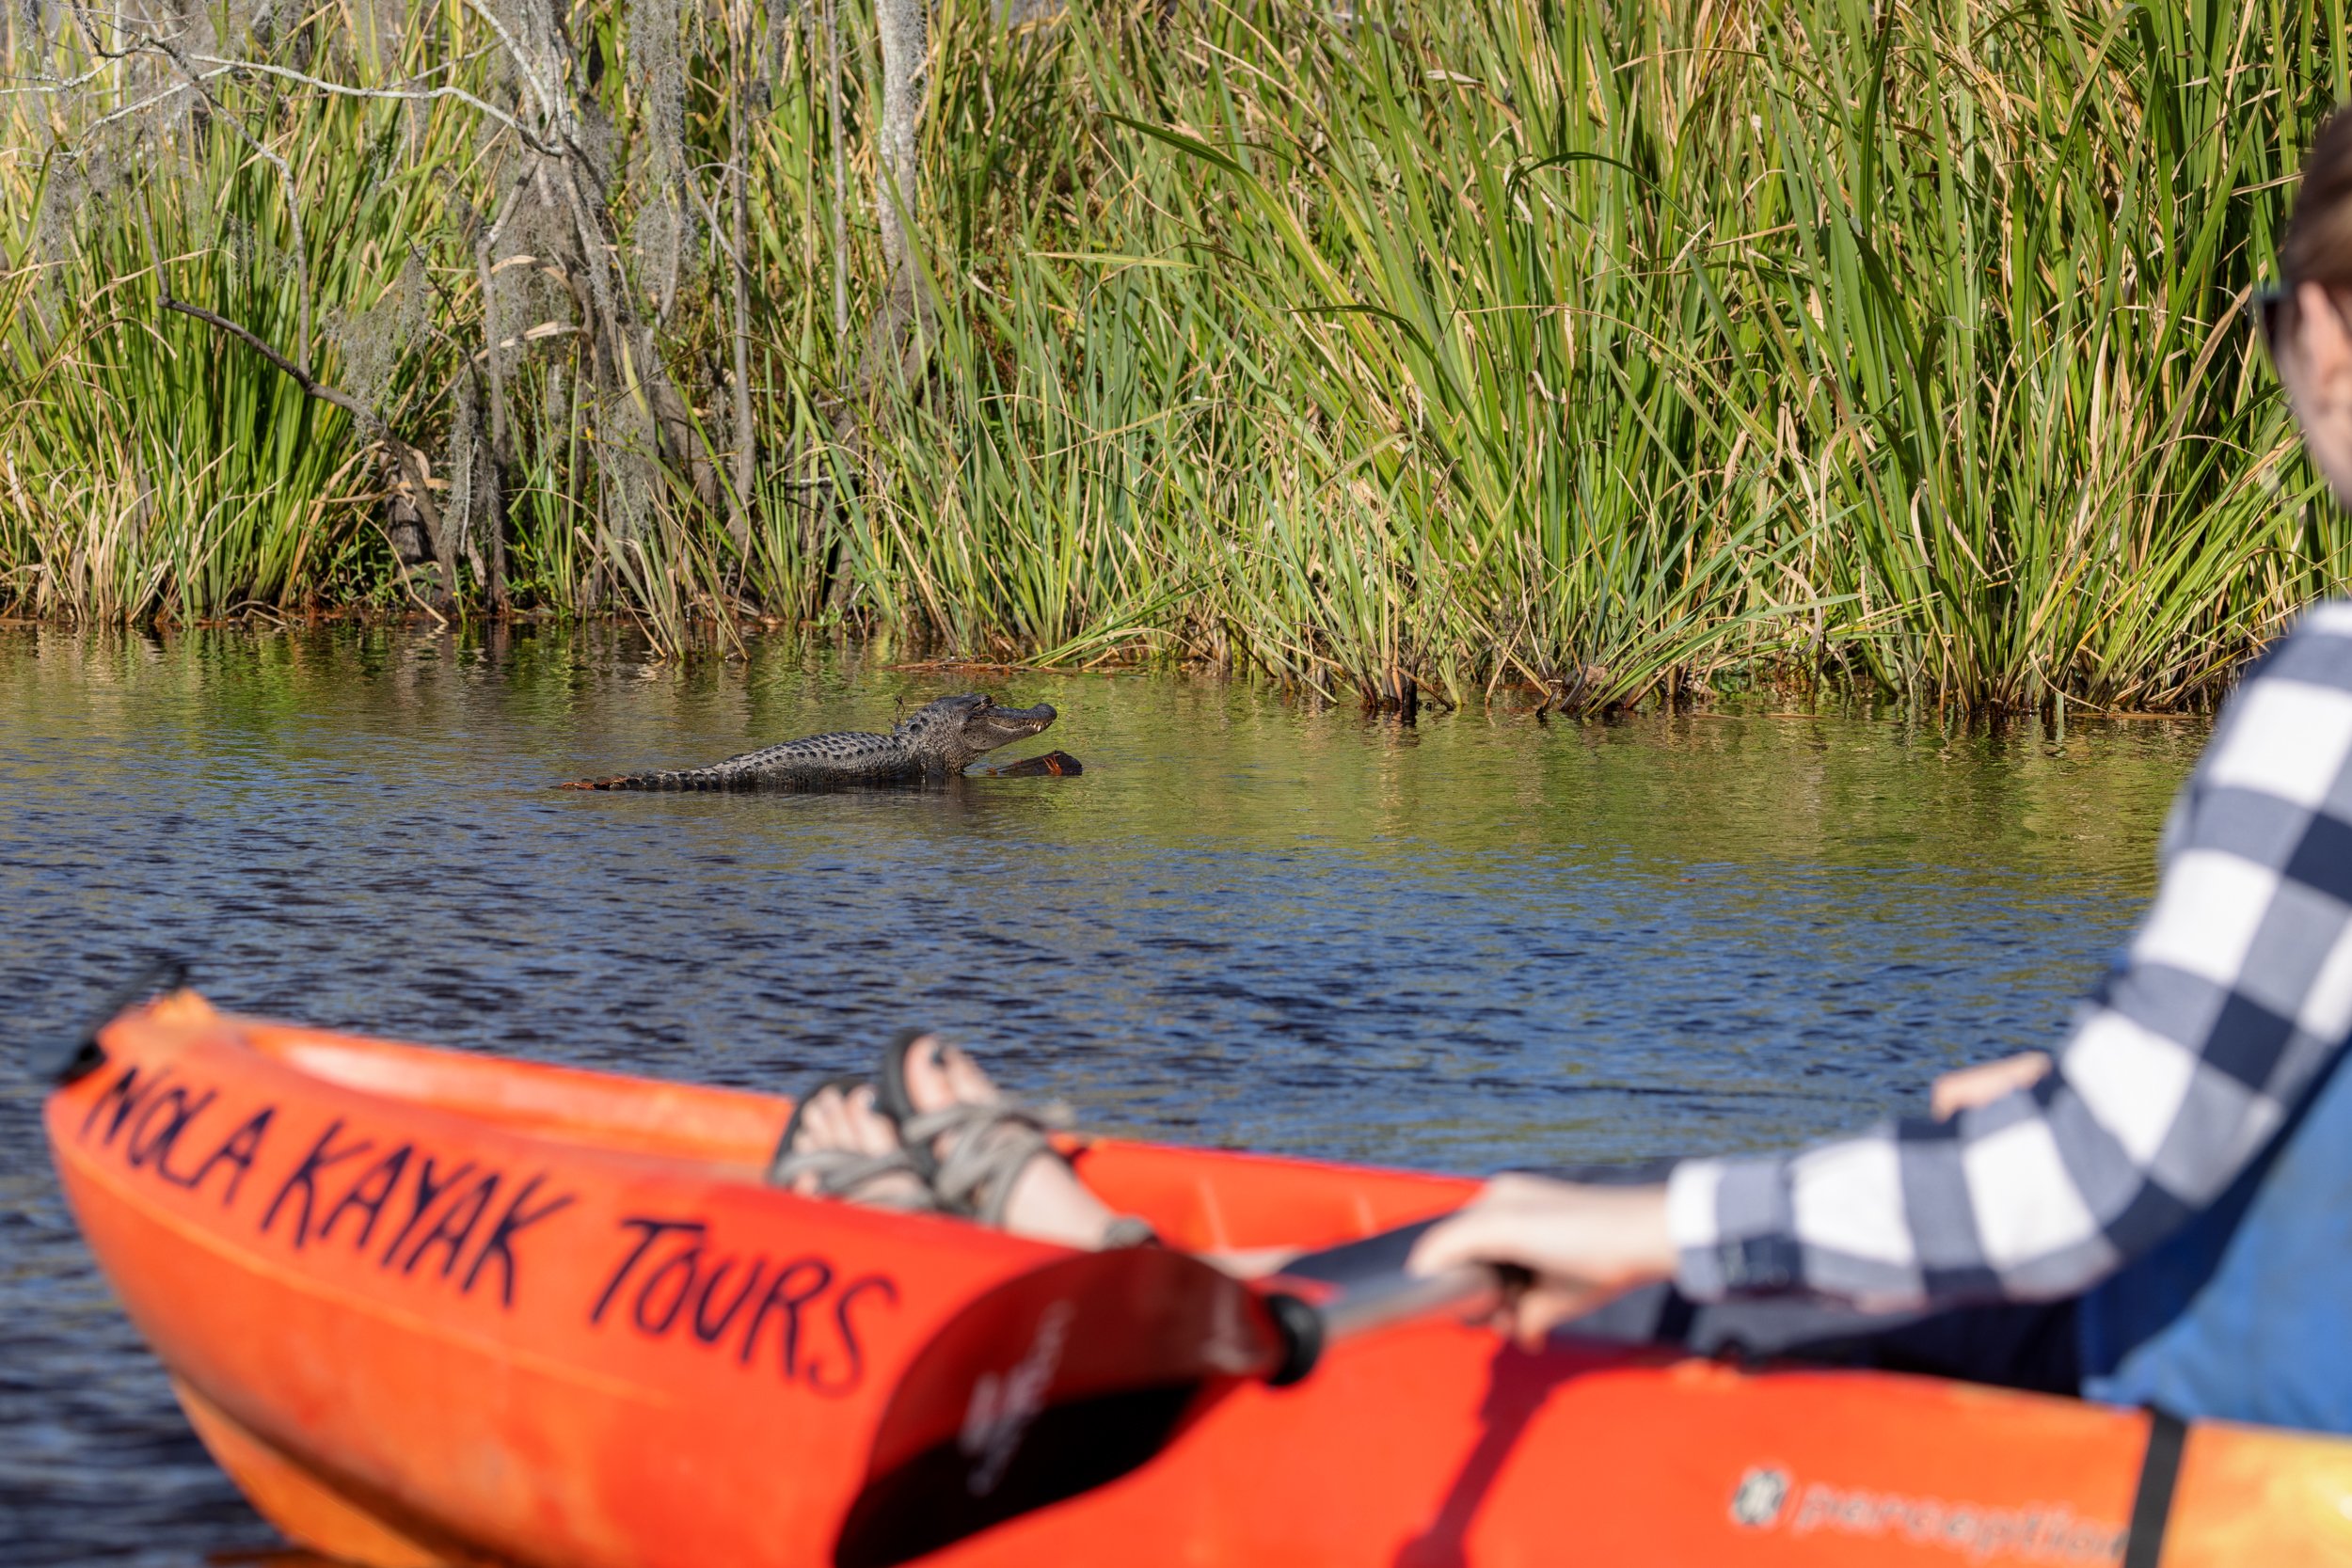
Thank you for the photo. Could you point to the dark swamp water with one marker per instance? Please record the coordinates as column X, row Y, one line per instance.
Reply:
column 1479, row 942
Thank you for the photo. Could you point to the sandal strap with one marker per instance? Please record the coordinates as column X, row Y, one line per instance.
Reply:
column 988, row 1146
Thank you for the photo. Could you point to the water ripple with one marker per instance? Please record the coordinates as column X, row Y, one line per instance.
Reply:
column 1484, row 942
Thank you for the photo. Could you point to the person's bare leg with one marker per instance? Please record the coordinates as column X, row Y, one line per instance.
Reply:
column 835, row 1120
column 1048, row 1202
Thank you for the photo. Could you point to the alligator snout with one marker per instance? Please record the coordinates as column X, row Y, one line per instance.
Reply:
column 1027, row 721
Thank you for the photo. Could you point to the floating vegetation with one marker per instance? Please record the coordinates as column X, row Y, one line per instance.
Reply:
column 1402, row 353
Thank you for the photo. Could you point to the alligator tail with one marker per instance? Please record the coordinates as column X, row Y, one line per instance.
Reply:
column 694, row 778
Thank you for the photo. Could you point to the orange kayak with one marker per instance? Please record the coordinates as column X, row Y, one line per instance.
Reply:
column 429, row 1308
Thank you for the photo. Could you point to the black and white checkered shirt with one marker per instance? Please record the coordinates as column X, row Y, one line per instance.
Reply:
column 2205, row 1037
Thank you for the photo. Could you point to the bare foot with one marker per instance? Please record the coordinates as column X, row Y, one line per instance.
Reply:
column 847, row 1123
column 1047, row 1202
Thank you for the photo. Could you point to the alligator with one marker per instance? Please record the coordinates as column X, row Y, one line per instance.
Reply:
column 935, row 742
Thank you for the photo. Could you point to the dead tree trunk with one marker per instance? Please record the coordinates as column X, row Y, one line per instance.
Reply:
column 840, row 176
column 739, row 153
column 896, row 346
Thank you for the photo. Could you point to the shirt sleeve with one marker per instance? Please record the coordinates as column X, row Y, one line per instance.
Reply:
column 2216, row 1025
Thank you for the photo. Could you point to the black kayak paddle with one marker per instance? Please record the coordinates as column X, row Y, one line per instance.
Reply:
column 1072, row 1374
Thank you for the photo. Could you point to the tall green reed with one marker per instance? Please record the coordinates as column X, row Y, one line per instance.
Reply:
column 1598, row 347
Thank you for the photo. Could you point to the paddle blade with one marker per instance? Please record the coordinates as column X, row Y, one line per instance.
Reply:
column 1050, row 1385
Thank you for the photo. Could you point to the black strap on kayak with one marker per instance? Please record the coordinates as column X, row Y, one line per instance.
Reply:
column 61, row 1063
column 2152, row 1506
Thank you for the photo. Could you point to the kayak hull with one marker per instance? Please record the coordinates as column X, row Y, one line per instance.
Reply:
column 433, row 1309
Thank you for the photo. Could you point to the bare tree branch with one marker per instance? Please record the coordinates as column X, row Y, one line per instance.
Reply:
column 414, row 470
column 410, row 95
column 144, row 103
column 63, row 84
column 310, row 384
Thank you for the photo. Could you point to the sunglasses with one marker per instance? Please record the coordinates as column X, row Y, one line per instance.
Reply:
column 2270, row 309
column 2267, row 309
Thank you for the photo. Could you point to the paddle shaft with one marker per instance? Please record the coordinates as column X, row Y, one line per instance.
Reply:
column 1473, row 1289
column 1306, row 1332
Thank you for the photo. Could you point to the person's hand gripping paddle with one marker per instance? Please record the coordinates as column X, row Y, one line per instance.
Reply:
column 1072, row 1376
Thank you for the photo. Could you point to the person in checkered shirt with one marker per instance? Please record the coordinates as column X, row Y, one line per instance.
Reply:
column 2161, row 1214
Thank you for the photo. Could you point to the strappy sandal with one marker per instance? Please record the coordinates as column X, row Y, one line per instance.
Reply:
column 988, row 1146
column 848, row 1174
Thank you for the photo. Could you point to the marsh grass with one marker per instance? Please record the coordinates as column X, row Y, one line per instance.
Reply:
column 1601, row 349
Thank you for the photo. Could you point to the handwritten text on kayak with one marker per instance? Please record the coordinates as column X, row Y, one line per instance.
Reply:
column 672, row 1282
column 414, row 1212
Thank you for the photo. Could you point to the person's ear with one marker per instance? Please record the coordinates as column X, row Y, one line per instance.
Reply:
column 2325, row 344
